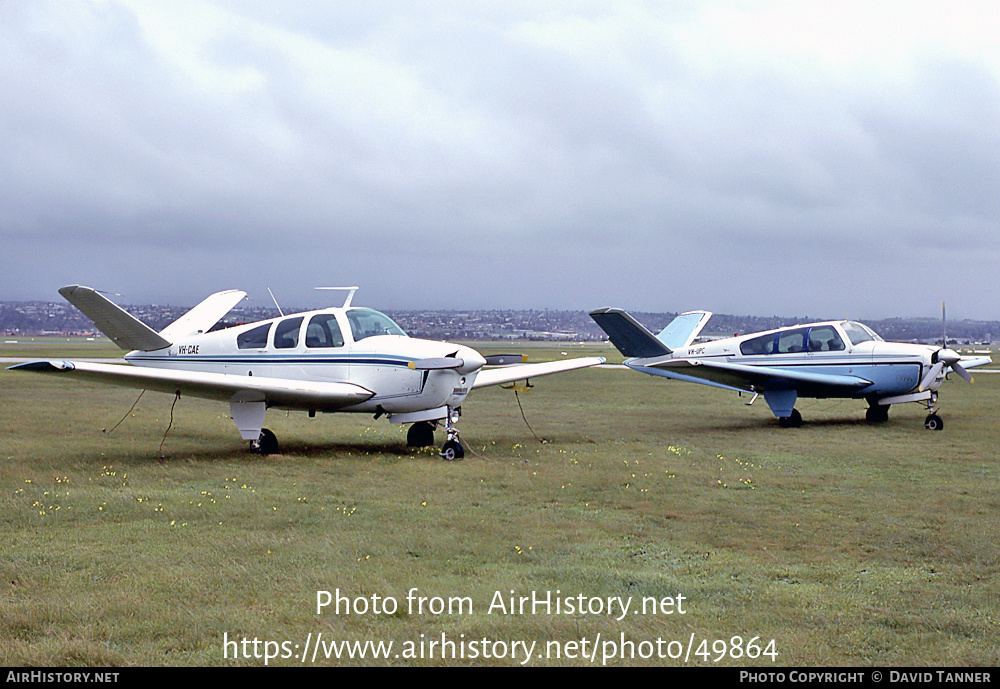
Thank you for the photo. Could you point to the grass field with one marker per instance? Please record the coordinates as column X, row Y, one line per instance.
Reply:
column 844, row 543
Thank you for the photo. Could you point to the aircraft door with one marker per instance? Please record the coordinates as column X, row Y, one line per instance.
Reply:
column 327, row 349
column 251, row 353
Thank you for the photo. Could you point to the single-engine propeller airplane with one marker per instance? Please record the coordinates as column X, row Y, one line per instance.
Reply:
column 831, row 359
column 345, row 359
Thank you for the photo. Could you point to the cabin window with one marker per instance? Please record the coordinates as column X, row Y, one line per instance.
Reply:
column 323, row 331
column 368, row 323
column 255, row 338
column 286, row 335
column 792, row 341
column 757, row 345
column 825, row 338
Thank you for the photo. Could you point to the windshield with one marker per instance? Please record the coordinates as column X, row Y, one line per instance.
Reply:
column 368, row 323
column 858, row 333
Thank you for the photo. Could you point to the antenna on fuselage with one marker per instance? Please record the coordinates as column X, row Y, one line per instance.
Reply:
column 275, row 301
column 350, row 293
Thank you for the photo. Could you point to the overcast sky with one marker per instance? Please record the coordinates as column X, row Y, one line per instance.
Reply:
column 789, row 158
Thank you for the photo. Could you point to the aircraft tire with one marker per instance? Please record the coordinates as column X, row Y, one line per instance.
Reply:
column 877, row 414
column 268, row 443
column 452, row 450
column 793, row 421
column 420, row 434
column 933, row 422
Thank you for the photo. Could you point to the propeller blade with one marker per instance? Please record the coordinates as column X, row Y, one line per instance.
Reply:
column 960, row 370
column 931, row 376
column 436, row 364
column 505, row 359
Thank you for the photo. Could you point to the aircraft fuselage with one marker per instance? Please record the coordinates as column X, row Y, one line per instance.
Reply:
column 332, row 345
column 816, row 351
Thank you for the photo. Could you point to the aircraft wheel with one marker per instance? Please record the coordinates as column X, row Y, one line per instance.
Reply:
column 877, row 413
column 452, row 450
column 420, row 434
column 933, row 422
column 793, row 421
column 268, row 443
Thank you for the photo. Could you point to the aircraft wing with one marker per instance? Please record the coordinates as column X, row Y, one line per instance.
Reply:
column 974, row 361
column 278, row 392
column 509, row 374
column 752, row 378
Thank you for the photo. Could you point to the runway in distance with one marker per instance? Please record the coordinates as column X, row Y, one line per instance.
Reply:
column 831, row 359
column 341, row 359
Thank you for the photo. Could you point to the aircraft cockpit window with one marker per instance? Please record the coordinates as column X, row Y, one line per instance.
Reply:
column 857, row 333
column 323, row 331
column 255, row 338
column 368, row 323
column 286, row 335
column 825, row 338
column 757, row 345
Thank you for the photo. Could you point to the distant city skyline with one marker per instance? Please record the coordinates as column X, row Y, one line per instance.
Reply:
column 492, row 324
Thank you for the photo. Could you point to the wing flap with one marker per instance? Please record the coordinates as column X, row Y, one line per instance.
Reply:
column 509, row 374
column 277, row 392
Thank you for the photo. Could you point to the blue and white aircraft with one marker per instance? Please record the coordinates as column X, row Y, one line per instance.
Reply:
column 345, row 359
column 831, row 359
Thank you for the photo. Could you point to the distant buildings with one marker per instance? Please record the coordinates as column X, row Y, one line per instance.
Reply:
column 37, row 318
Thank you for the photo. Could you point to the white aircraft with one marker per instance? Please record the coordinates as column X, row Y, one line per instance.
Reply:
column 821, row 360
column 345, row 359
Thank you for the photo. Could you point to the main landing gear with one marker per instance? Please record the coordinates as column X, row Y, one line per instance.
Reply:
column 421, row 434
column 876, row 413
column 266, row 444
column 792, row 421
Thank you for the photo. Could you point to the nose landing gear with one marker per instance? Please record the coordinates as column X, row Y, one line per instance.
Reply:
column 933, row 422
column 452, row 448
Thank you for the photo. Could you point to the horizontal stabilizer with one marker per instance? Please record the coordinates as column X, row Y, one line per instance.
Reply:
column 201, row 318
column 628, row 335
column 681, row 331
column 121, row 327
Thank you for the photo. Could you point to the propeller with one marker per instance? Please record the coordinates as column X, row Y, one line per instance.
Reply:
column 944, row 357
column 436, row 364
column 505, row 359
column 469, row 362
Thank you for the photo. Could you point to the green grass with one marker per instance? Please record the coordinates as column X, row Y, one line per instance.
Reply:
column 846, row 543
